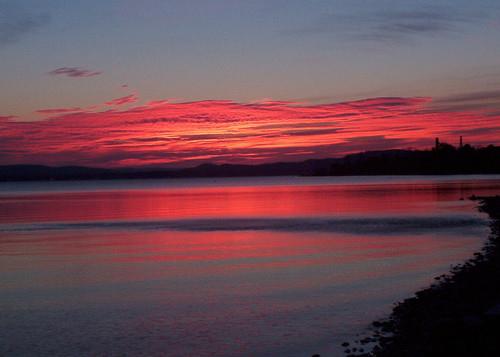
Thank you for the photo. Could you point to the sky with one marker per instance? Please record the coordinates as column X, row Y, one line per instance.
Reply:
column 178, row 83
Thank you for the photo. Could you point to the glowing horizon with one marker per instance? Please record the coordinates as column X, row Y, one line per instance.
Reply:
column 119, row 134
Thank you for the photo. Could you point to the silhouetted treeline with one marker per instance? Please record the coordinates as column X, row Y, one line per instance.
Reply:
column 442, row 160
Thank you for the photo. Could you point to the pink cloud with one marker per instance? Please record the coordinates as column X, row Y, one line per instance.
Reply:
column 52, row 111
column 132, row 98
column 165, row 132
column 7, row 117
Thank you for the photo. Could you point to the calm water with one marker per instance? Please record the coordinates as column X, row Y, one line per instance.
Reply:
column 228, row 267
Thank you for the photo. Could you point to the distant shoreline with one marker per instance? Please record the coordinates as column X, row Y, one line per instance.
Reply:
column 443, row 160
column 459, row 315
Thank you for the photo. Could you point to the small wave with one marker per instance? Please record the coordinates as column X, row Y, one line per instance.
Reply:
column 364, row 225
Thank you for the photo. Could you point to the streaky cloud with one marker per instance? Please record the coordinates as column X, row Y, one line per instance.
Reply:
column 17, row 22
column 488, row 101
column 51, row 111
column 223, row 131
column 393, row 25
column 471, row 96
column 128, row 99
column 75, row 72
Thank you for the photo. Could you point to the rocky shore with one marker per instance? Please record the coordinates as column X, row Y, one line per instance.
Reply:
column 459, row 315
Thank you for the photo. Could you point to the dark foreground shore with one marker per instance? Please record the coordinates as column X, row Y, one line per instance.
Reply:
column 459, row 315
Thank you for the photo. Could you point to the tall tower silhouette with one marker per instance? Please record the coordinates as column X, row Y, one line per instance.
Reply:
column 461, row 142
column 437, row 143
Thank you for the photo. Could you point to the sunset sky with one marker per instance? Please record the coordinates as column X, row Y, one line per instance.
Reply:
column 178, row 83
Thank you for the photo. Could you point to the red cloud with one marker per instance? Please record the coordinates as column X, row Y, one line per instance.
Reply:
column 51, row 111
column 132, row 98
column 74, row 72
column 164, row 132
column 7, row 117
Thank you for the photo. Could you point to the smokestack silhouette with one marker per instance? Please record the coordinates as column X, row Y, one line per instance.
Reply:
column 461, row 142
column 437, row 143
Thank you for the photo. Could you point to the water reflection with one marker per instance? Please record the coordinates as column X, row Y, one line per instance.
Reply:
column 112, row 290
column 239, row 201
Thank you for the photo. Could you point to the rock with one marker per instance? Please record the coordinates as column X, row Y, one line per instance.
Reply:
column 472, row 321
column 494, row 311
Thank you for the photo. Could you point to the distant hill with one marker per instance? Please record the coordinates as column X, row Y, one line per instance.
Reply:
column 39, row 172
column 444, row 159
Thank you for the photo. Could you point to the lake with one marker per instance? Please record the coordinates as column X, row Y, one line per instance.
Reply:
column 278, row 266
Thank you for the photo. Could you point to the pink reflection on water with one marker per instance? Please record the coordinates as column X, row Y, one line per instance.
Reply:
column 240, row 290
column 231, row 293
column 243, row 201
column 108, row 258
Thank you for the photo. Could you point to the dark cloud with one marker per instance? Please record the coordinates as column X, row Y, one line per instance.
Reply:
column 384, row 102
column 312, row 132
column 331, row 116
column 392, row 25
column 482, row 100
column 295, row 125
column 472, row 96
column 152, row 121
column 132, row 98
column 400, row 26
column 373, row 142
column 15, row 22
column 51, row 111
column 214, row 136
column 75, row 72
column 477, row 131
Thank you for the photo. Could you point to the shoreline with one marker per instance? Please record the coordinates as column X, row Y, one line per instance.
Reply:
column 458, row 315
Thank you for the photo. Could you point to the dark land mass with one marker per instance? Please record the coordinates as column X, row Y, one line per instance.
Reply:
column 444, row 159
column 459, row 315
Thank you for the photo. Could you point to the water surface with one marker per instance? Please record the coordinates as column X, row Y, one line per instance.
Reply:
column 222, row 267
